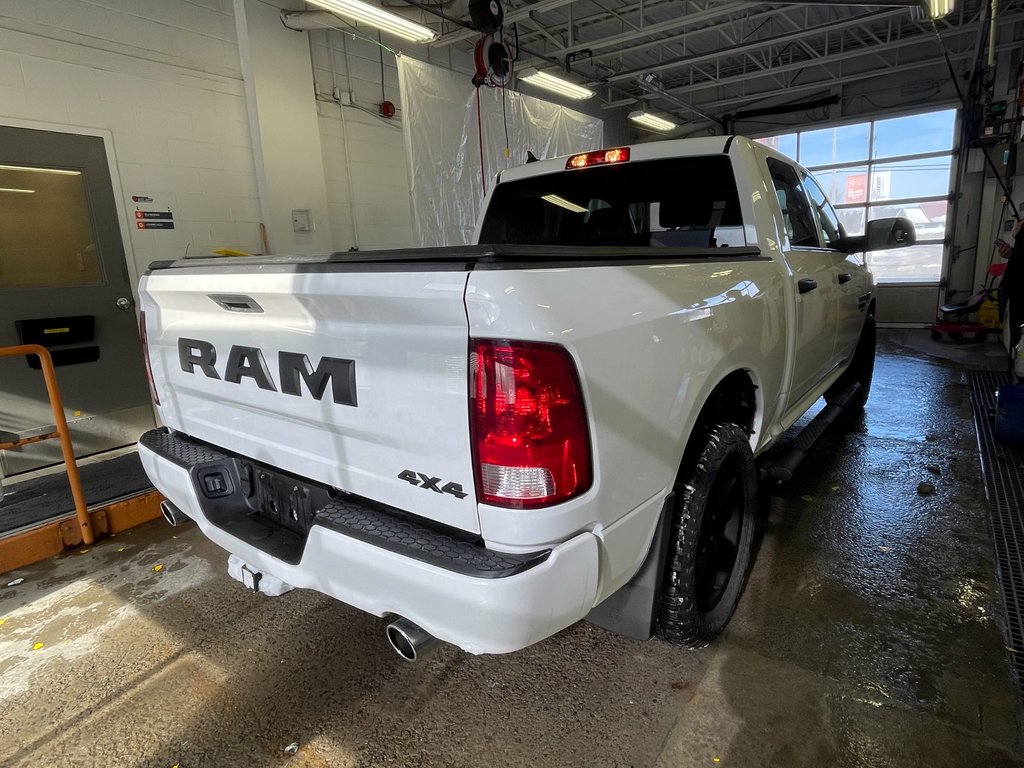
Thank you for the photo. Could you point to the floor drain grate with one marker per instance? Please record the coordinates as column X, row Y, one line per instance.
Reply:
column 1003, row 467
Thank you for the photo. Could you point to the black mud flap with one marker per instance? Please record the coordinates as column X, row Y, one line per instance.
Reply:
column 633, row 609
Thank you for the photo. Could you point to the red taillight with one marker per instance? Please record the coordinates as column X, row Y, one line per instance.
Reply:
column 145, row 356
column 600, row 157
column 529, row 424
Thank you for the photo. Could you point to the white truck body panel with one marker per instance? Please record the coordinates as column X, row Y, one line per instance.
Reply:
column 407, row 335
column 647, row 360
column 478, row 615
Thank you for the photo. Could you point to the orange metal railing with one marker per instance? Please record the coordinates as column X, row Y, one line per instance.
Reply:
column 61, row 424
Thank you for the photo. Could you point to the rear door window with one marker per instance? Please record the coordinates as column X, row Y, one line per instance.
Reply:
column 679, row 202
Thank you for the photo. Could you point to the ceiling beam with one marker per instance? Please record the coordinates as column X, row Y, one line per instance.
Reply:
column 641, row 7
column 840, row 79
column 821, row 85
column 756, row 45
column 917, row 39
column 714, row 28
column 866, row 51
column 654, row 29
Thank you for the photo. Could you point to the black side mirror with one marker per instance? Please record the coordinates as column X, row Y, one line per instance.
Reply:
column 883, row 235
column 897, row 232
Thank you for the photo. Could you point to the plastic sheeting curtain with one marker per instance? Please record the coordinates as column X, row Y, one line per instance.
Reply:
column 442, row 144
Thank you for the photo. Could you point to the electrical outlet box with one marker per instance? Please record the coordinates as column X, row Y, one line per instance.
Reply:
column 302, row 221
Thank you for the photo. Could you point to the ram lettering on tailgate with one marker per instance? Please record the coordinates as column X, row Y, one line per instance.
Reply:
column 294, row 370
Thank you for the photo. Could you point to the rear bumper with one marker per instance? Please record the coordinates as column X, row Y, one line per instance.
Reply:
column 478, row 599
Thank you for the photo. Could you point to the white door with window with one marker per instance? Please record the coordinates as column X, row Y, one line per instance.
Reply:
column 853, row 287
column 815, row 282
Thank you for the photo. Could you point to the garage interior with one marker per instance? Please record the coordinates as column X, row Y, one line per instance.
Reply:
column 882, row 623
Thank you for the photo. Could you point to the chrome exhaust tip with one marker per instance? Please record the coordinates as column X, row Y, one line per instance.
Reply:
column 172, row 514
column 409, row 640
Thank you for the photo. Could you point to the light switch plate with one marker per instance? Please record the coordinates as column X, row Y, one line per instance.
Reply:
column 302, row 221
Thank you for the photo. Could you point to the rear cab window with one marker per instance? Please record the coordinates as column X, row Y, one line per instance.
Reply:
column 666, row 203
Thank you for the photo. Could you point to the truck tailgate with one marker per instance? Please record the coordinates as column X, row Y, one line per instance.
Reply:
column 241, row 358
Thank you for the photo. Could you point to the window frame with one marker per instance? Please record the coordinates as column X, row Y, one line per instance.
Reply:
column 890, row 272
column 772, row 163
column 818, row 209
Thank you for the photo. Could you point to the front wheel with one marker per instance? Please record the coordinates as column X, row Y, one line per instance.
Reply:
column 709, row 544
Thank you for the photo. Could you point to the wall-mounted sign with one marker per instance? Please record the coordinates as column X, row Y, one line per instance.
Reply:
column 152, row 219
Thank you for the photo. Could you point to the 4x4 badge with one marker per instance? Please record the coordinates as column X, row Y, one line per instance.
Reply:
column 427, row 482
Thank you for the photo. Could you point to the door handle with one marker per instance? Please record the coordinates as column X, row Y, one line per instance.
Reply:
column 845, row 277
column 806, row 285
column 124, row 303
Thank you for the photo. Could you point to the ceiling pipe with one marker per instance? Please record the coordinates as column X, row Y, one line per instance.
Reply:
column 303, row 21
column 935, row 9
column 453, row 9
column 652, row 84
column 992, row 36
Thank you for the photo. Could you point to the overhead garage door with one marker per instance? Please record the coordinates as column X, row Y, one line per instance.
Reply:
column 895, row 167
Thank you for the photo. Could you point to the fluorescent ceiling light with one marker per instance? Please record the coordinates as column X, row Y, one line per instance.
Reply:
column 651, row 121
column 379, row 18
column 561, row 202
column 936, row 9
column 20, row 191
column 61, row 171
column 557, row 84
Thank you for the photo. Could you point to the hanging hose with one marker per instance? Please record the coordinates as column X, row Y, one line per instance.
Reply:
column 480, row 133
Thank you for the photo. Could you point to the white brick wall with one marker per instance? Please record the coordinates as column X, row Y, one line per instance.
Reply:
column 197, row 34
column 163, row 77
column 379, row 198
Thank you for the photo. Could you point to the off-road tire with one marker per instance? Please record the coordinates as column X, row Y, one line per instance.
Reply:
column 861, row 370
column 720, row 478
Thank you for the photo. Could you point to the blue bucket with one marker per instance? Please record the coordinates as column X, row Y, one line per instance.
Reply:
column 1010, row 413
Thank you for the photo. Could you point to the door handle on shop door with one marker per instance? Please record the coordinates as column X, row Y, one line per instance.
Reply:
column 124, row 303
column 845, row 277
column 806, row 285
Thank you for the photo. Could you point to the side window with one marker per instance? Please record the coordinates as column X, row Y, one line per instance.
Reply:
column 796, row 208
column 831, row 231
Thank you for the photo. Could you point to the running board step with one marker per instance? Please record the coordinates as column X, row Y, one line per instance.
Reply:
column 786, row 457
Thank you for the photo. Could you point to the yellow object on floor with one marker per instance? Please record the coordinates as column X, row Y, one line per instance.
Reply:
column 988, row 313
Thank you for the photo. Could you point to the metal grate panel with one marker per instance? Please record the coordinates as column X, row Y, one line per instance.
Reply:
column 1003, row 467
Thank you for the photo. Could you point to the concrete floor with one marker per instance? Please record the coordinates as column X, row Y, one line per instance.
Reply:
column 869, row 635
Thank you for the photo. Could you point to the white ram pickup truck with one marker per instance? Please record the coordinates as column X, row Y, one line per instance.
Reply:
column 488, row 443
